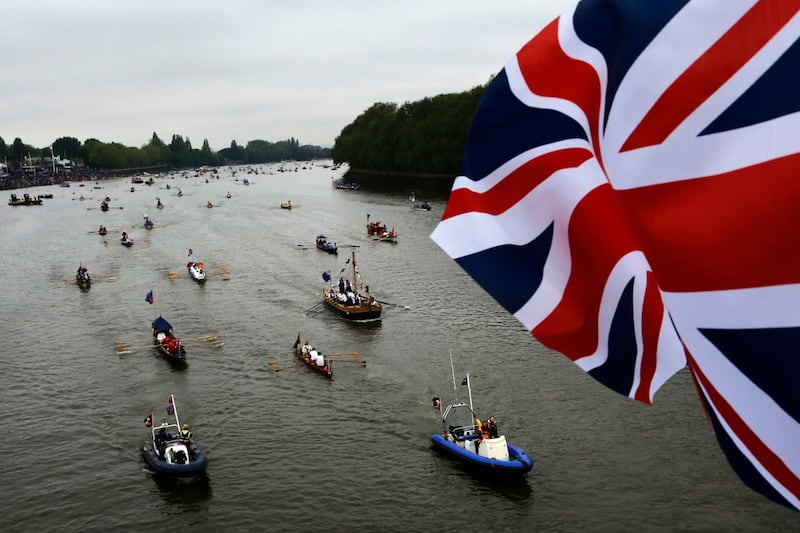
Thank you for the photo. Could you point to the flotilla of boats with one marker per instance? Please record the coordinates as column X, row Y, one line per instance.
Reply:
column 26, row 199
column 171, row 449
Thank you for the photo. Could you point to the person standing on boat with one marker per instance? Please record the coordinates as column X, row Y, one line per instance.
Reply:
column 341, row 285
column 478, row 433
column 491, row 426
column 161, row 442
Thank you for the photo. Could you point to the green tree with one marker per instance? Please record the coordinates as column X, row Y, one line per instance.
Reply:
column 66, row 147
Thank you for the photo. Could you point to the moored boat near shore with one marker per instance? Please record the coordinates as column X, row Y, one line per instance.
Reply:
column 26, row 199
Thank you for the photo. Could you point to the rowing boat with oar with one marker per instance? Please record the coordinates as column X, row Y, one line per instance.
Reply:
column 348, row 301
column 168, row 344
column 311, row 357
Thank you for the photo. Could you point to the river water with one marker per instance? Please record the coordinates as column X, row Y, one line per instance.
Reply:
column 290, row 450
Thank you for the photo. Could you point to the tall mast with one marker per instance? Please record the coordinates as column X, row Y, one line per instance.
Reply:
column 355, row 283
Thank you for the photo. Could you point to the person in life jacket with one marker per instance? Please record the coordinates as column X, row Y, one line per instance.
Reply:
column 479, row 434
column 185, row 433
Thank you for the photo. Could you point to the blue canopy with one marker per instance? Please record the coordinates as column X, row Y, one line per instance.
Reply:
column 161, row 324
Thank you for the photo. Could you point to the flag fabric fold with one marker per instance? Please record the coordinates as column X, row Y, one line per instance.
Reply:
column 149, row 297
column 629, row 193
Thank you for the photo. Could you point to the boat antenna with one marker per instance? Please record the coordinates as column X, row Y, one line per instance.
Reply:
column 469, row 391
column 453, row 372
column 175, row 410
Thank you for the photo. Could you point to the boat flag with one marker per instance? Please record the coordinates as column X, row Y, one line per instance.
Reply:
column 326, row 276
column 613, row 198
column 437, row 403
column 149, row 297
column 465, row 381
column 170, row 406
column 148, row 421
column 190, row 252
column 296, row 342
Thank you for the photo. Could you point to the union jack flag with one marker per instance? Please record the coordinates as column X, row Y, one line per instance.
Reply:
column 630, row 192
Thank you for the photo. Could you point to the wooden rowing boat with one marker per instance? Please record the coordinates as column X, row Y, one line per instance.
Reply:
column 311, row 357
column 348, row 301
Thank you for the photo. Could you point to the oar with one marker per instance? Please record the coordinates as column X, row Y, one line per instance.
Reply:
column 391, row 304
column 348, row 245
column 287, row 367
column 196, row 344
column 314, row 308
column 288, row 358
column 337, row 361
column 142, row 341
column 129, row 349
column 335, row 354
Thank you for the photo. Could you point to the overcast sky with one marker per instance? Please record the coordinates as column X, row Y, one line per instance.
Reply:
column 241, row 70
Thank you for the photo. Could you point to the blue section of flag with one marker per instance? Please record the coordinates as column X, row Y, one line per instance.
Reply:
column 148, row 421
column 326, row 276
column 149, row 297
column 170, row 409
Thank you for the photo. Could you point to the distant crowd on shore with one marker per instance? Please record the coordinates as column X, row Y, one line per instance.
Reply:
column 20, row 180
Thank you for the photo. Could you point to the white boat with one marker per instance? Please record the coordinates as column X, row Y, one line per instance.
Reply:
column 196, row 271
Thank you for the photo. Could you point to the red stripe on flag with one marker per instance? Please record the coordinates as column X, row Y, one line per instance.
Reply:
column 710, row 71
column 652, row 316
column 599, row 236
column 515, row 186
column 730, row 231
column 549, row 72
column 763, row 454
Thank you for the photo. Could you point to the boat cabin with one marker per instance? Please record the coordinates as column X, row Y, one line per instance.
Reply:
column 460, row 428
column 170, row 447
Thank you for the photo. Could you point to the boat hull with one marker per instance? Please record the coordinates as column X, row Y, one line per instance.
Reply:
column 325, row 370
column 357, row 313
column 196, row 467
column 519, row 463
column 176, row 360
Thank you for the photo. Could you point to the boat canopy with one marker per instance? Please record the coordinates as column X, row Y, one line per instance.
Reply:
column 161, row 323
